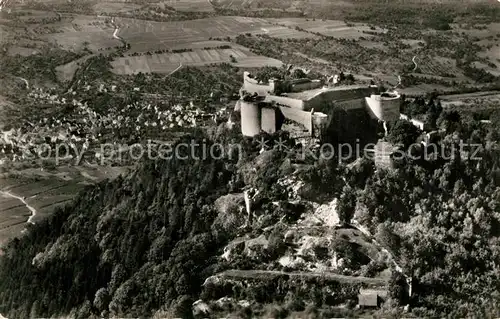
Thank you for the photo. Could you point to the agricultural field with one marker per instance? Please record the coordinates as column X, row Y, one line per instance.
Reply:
column 19, row 50
column 422, row 89
column 150, row 35
column 439, row 66
column 488, row 38
column 486, row 99
column 331, row 28
column 105, row 7
column 95, row 33
column 189, row 5
column 66, row 71
column 42, row 191
column 169, row 62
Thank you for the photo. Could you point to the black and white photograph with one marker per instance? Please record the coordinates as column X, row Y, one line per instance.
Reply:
column 245, row 159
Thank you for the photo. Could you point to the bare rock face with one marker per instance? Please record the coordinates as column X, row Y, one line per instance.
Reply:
column 232, row 214
column 200, row 308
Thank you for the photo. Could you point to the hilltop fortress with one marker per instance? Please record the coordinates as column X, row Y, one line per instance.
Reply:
column 321, row 109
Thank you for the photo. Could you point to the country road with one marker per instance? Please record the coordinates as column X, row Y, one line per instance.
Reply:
column 30, row 208
column 414, row 62
column 115, row 34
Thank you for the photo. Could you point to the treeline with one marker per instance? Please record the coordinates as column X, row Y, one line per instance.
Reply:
column 178, row 50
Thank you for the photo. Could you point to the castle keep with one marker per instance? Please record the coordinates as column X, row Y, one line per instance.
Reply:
column 340, row 110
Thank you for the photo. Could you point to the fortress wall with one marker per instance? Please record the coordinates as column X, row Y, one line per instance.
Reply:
column 346, row 126
column 384, row 109
column 375, row 107
column 237, row 106
column 349, row 94
column 299, row 116
column 287, row 101
column 383, row 151
column 352, row 104
column 250, row 119
column 326, row 98
column 306, row 86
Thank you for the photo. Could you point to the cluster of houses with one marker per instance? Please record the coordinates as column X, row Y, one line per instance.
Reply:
column 84, row 129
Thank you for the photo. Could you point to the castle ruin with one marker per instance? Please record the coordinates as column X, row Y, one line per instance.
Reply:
column 321, row 109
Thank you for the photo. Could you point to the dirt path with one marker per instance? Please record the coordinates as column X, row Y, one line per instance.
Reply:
column 117, row 29
column 30, row 208
column 267, row 274
column 414, row 62
column 178, row 68
column 115, row 34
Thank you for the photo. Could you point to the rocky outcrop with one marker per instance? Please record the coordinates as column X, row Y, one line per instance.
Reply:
column 231, row 212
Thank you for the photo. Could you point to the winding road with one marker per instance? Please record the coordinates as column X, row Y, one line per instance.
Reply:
column 414, row 62
column 115, row 33
column 30, row 208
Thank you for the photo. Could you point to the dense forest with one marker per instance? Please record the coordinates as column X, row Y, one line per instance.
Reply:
column 131, row 245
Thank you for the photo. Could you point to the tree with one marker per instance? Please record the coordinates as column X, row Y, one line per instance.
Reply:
column 299, row 74
column 397, row 287
column 449, row 121
column 346, row 205
column 403, row 133
column 349, row 79
column 341, row 76
column 387, row 238
column 102, row 299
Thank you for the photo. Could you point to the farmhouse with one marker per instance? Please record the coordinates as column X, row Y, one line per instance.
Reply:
column 344, row 111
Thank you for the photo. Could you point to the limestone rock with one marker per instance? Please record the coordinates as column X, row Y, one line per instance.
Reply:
column 200, row 308
column 232, row 214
